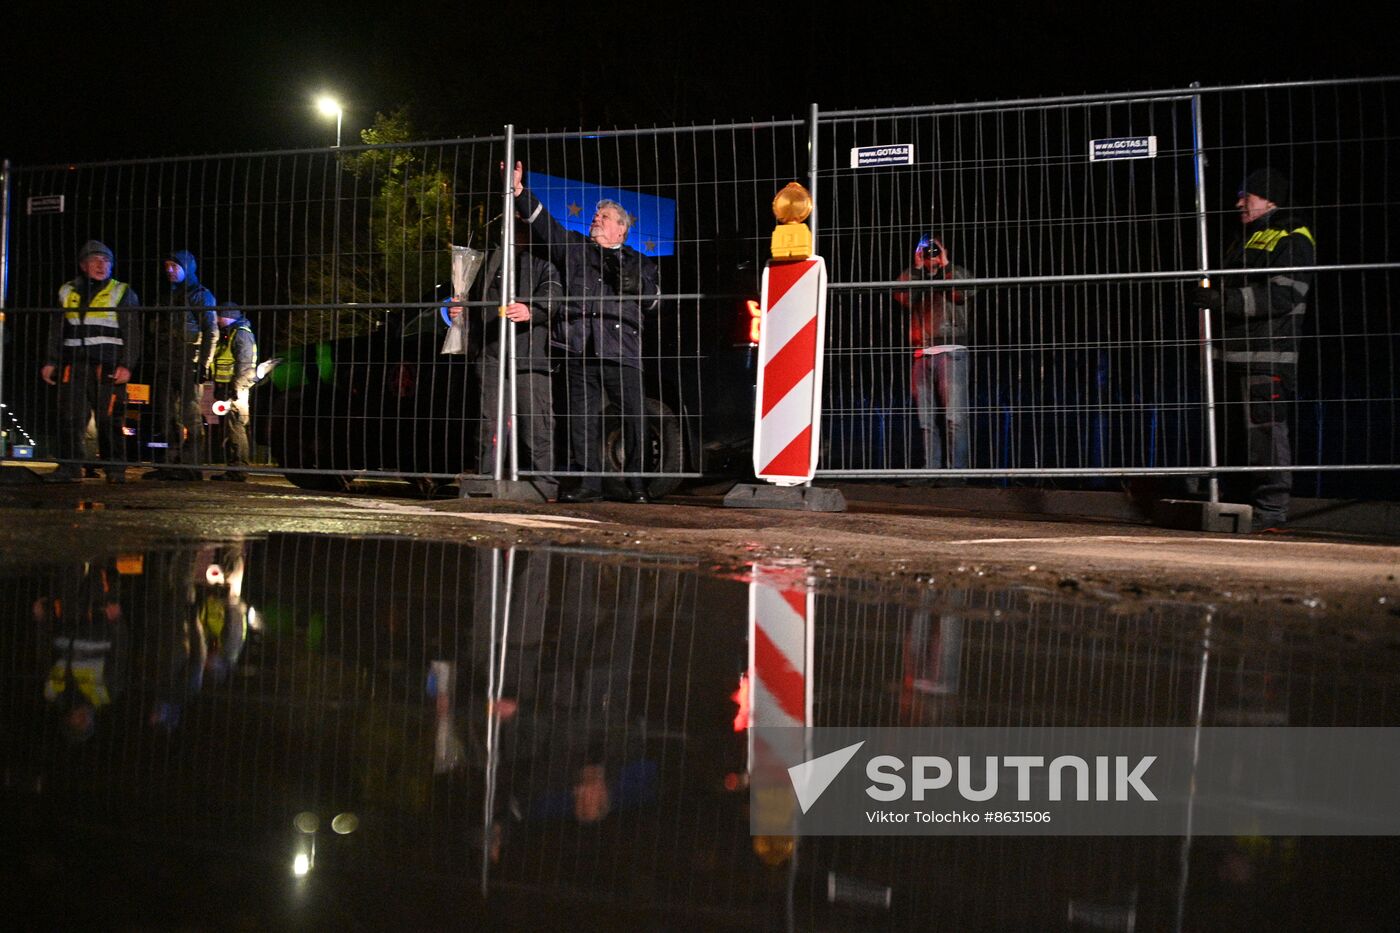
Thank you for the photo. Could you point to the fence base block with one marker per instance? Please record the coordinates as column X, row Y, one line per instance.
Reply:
column 801, row 498
column 1225, row 517
column 518, row 490
column 11, row 475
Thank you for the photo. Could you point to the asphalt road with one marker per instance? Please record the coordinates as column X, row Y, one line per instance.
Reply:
column 1288, row 576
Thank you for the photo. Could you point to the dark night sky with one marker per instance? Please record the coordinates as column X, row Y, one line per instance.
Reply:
column 162, row 78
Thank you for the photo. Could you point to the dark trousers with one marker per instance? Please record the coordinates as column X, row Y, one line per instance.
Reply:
column 180, row 395
column 1255, row 424
column 534, row 414
column 592, row 383
column 235, row 424
column 86, row 390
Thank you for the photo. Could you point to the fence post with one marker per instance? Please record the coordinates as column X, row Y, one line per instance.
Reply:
column 812, row 124
column 4, row 290
column 506, row 345
column 1207, row 368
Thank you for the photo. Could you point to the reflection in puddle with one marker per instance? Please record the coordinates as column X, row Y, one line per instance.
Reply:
column 312, row 730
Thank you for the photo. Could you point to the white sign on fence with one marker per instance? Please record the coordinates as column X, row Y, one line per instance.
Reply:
column 871, row 156
column 45, row 204
column 1125, row 147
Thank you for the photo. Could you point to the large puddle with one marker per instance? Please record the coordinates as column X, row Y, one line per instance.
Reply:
column 308, row 731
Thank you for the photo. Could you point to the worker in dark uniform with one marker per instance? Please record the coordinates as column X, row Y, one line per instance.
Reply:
column 1260, row 317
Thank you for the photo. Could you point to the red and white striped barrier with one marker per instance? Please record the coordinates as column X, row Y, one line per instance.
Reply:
column 787, row 415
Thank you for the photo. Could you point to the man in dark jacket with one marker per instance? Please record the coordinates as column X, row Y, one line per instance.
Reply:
column 234, row 370
column 93, row 346
column 1260, row 315
column 537, row 287
column 183, row 343
column 598, row 333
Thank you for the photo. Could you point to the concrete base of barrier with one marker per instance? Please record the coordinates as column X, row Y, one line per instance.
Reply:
column 1225, row 517
column 801, row 498
column 15, row 475
column 509, row 490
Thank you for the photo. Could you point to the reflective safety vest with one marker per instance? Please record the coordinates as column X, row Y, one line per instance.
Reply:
column 1268, row 238
column 225, row 363
column 1265, row 311
column 96, row 325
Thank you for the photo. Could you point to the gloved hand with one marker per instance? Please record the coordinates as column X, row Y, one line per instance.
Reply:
column 1199, row 296
column 622, row 271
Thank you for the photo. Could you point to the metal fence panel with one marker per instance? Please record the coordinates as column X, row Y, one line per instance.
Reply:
column 1082, row 355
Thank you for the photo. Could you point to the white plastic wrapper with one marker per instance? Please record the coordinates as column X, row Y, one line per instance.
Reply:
column 466, row 263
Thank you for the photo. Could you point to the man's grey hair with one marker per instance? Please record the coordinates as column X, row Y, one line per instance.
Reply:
column 621, row 212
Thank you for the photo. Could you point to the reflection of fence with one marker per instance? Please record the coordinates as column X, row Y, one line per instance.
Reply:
column 561, row 728
column 1081, row 356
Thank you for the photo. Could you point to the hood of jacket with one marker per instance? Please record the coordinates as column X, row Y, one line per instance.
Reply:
column 185, row 260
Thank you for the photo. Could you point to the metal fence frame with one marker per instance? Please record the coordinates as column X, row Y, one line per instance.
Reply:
column 1212, row 467
column 507, row 464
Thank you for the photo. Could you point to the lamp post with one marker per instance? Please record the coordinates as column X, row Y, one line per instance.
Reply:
column 329, row 106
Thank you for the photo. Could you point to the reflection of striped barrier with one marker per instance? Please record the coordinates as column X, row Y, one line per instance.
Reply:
column 779, row 688
column 788, row 403
column 780, row 646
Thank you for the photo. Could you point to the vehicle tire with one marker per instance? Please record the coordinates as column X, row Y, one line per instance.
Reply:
column 320, row 482
column 426, row 486
column 294, row 452
column 665, row 448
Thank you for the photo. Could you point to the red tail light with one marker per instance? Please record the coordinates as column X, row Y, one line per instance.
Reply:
column 402, row 382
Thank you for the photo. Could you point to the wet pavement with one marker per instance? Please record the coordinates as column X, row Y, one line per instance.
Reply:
column 383, row 730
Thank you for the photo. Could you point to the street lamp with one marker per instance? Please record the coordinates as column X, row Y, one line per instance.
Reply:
column 330, row 107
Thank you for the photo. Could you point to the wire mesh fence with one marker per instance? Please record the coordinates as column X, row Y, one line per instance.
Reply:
column 1054, row 328
column 1049, row 328
column 349, row 265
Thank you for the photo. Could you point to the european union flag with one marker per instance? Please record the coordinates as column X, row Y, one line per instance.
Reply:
column 572, row 203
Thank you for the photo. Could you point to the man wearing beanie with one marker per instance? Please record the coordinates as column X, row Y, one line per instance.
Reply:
column 183, row 344
column 235, row 371
column 91, row 351
column 1260, row 315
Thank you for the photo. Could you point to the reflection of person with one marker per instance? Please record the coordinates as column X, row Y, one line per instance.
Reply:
column 1261, row 314
column 200, row 625
column 537, row 286
column 89, row 662
column 938, row 334
column 183, row 348
column 608, row 286
column 568, row 746
column 91, row 350
column 235, row 371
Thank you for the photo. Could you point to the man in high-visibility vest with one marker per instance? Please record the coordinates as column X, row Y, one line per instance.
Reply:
column 235, row 370
column 1261, row 315
column 92, row 348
